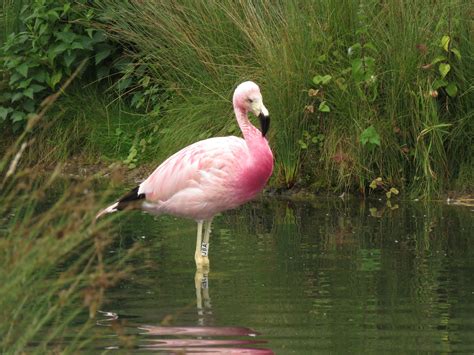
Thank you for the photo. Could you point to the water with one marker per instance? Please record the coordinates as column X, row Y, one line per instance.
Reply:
column 286, row 277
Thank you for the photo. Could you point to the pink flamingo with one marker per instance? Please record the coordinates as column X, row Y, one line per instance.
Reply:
column 209, row 176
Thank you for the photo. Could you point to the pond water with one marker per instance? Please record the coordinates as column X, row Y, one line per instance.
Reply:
column 329, row 275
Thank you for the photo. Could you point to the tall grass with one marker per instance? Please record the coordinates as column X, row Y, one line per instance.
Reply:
column 9, row 12
column 53, row 269
column 201, row 50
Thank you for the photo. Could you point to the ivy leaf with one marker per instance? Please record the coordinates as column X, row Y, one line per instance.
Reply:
column 18, row 116
column 17, row 96
column 28, row 93
column 22, row 69
column 451, row 89
column 323, row 107
column 4, row 111
column 444, row 69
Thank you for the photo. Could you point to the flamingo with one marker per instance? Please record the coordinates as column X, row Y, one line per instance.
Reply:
column 211, row 175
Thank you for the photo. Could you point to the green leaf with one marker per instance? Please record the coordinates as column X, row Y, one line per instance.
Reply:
column 69, row 59
column 4, row 111
column 440, row 58
column 60, row 48
column 370, row 135
column 451, row 89
column 124, row 83
column 444, row 69
column 18, row 116
column 370, row 45
column 54, row 79
column 445, row 42
column 17, row 96
column 24, row 83
column 22, row 69
column 439, row 83
column 65, row 36
column 322, row 58
column 28, row 93
column 323, row 80
column 323, row 107
column 357, row 72
column 102, row 54
column 29, row 106
column 456, row 52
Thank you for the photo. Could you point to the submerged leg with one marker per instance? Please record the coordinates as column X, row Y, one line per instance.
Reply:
column 197, row 253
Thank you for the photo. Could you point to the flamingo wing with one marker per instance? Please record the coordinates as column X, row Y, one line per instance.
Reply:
column 200, row 174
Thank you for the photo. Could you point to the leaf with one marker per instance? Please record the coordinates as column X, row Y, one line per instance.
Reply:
column 17, row 96
column 370, row 45
column 373, row 185
column 102, row 54
column 18, row 116
column 60, row 48
column 445, row 42
column 451, row 89
column 69, row 59
column 22, row 69
column 65, row 36
column 323, row 107
column 28, row 93
column 357, row 72
column 40, row 77
column 444, row 69
column 124, row 83
column 322, row 58
column 394, row 191
column 439, row 83
column 54, row 79
column 440, row 58
column 456, row 52
column 4, row 111
column 370, row 135
column 388, row 194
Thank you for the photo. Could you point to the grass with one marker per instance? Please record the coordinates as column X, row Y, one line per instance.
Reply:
column 54, row 271
column 200, row 51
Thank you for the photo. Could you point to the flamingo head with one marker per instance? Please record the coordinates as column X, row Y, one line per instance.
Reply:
column 247, row 97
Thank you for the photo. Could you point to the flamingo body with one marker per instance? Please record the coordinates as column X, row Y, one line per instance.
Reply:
column 212, row 175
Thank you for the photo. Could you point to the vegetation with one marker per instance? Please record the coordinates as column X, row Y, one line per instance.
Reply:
column 358, row 91
column 54, row 269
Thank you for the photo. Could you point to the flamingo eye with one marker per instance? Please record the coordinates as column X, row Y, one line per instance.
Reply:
column 249, row 100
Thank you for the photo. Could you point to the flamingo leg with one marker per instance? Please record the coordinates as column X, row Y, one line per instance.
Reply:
column 205, row 242
column 197, row 254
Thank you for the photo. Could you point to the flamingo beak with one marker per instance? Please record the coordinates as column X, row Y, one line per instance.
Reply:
column 264, row 123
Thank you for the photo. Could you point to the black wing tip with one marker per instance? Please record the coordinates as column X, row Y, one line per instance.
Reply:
column 128, row 198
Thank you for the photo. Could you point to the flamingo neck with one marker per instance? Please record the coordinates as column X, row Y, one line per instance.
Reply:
column 249, row 131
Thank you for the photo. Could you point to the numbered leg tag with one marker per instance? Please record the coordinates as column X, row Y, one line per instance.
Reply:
column 205, row 282
column 204, row 249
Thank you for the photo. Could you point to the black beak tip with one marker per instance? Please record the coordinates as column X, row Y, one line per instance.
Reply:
column 264, row 123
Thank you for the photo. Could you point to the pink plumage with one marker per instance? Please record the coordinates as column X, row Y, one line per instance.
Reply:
column 212, row 175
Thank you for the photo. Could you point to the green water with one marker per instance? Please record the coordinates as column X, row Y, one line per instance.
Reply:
column 326, row 276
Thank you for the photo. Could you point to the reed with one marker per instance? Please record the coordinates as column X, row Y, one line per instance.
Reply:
column 201, row 50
